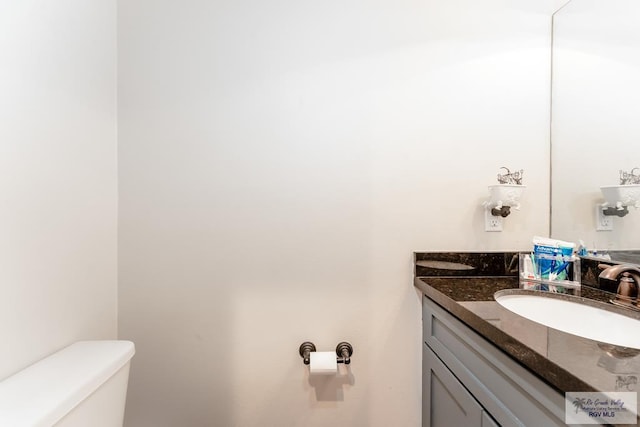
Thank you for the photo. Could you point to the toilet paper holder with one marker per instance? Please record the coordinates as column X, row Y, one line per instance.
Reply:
column 344, row 350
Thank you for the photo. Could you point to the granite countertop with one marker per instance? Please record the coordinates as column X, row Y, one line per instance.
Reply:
column 566, row 362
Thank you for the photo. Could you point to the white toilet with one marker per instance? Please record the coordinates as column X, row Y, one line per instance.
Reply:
column 82, row 385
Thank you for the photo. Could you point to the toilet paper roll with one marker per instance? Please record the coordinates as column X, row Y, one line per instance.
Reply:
column 323, row 363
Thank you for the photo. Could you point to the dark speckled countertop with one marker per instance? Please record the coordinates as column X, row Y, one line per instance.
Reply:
column 566, row 362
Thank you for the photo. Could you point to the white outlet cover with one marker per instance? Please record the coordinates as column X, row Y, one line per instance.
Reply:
column 603, row 222
column 491, row 222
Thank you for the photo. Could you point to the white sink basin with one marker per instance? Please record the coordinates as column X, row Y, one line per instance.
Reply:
column 573, row 315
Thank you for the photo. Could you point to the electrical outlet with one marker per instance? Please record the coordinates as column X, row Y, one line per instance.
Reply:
column 603, row 222
column 491, row 222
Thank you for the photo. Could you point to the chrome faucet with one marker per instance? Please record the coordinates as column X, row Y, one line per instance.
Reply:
column 627, row 278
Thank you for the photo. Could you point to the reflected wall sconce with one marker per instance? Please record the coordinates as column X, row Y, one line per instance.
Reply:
column 617, row 199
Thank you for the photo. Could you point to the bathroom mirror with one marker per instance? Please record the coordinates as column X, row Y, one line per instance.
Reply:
column 595, row 118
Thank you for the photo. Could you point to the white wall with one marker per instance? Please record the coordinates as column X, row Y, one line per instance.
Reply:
column 58, row 177
column 595, row 125
column 279, row 164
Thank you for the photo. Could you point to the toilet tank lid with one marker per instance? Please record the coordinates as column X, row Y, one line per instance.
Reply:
column 44, row 392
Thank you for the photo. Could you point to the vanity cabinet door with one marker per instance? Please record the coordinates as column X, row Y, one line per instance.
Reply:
column 445, row 401
column 510, row 394
column 487, row 421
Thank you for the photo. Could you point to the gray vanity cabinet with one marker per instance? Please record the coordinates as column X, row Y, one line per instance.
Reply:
column 446, row 402
column 468, row 382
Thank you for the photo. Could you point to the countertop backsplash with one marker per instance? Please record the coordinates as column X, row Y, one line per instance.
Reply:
column 467, row 264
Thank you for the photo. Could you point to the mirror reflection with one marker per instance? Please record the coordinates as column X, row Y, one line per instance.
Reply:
column 595, row 120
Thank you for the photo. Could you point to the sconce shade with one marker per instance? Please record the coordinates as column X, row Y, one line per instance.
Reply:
column 619, row 196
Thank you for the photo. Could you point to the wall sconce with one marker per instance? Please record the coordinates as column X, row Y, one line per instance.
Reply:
column 503, row 197
column 617, row 199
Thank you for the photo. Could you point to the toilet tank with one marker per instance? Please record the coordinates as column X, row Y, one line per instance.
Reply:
column 82, row 385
